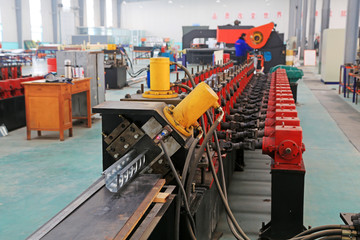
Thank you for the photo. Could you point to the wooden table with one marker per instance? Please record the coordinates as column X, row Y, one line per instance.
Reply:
column 48, row 105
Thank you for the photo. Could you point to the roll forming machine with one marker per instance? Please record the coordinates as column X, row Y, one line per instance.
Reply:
column 169, row 153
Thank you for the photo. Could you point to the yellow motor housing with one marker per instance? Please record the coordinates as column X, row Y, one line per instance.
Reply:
column 185, row 115
column 160, row 79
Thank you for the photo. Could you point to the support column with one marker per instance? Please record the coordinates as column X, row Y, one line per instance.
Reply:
column 325, row 19
column 312, row 24
column 19, row 23
column 303, row 28
column 81, row 12
column 298, row 7
column 292, row 14
column 54, row 6
column 118, row 18
column 352, row 31
column 102, row 13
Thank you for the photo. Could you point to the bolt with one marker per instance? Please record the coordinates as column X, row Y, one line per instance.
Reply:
column 136, row 136
column 288, row 150
column 132, row 129
column 122, row 139
column 126, row 146
column 116, row 155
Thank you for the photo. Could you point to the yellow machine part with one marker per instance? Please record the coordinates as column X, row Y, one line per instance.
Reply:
column 160, row 79
column 289, row 57
column 185, row 115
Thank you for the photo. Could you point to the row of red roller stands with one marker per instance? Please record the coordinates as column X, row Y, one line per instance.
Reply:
column 13, row 87
column 282, row 141
column 10, row 72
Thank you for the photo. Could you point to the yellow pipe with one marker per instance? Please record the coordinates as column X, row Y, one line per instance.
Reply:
column 185, row 115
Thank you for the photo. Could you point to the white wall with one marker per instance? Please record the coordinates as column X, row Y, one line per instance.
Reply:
column 159, row 18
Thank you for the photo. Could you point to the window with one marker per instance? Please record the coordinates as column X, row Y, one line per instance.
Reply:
column 35, row 20
column 109, row 15
column 90, row 13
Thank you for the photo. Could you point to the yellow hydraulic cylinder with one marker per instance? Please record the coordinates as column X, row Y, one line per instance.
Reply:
column 185, row 115
column 160, row 79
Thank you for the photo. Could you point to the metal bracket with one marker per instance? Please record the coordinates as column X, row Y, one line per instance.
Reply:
column 125, row 141
column 117, row 131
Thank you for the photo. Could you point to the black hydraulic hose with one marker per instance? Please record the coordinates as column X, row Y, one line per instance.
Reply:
column 323, row 234
column 180, row 185
column 183, row 179
column 321, row 228
column 224, row 200
column 186, row 72
column 195, row 161
column 222, row 175
column 132, row 74
column 197, row 158
column 189, row 89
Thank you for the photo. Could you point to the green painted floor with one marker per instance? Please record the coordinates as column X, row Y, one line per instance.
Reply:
column 40, row 177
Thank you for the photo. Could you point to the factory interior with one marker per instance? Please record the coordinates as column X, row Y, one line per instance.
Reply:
column 179, row 119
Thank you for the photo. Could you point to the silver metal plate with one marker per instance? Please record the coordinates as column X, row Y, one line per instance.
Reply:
column 152, row 127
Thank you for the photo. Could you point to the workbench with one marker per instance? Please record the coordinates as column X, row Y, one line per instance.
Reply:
column 48, row 105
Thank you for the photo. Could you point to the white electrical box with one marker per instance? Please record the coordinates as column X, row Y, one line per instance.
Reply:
column 332, row 55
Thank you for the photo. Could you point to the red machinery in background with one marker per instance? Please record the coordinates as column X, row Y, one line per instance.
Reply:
column 264, row 39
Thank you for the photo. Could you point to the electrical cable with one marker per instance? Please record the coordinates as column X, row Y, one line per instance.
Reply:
column 335, row 237
column 321, row 228
column 322, row 234
column 180, row 185
column 193, row 167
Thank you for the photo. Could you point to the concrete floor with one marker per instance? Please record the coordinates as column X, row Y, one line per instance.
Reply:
column 40, row 177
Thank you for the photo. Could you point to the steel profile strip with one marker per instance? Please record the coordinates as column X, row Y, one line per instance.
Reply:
column 53, row 222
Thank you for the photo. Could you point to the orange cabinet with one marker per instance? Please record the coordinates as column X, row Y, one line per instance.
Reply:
column 48, row 105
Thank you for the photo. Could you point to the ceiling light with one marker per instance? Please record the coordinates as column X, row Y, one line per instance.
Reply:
column 124, row 2
column 170, row 1
column 218, row 1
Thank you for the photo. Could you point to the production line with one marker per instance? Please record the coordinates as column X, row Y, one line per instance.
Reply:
column 166, row 165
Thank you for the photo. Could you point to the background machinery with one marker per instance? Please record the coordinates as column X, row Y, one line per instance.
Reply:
column 266, row 41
